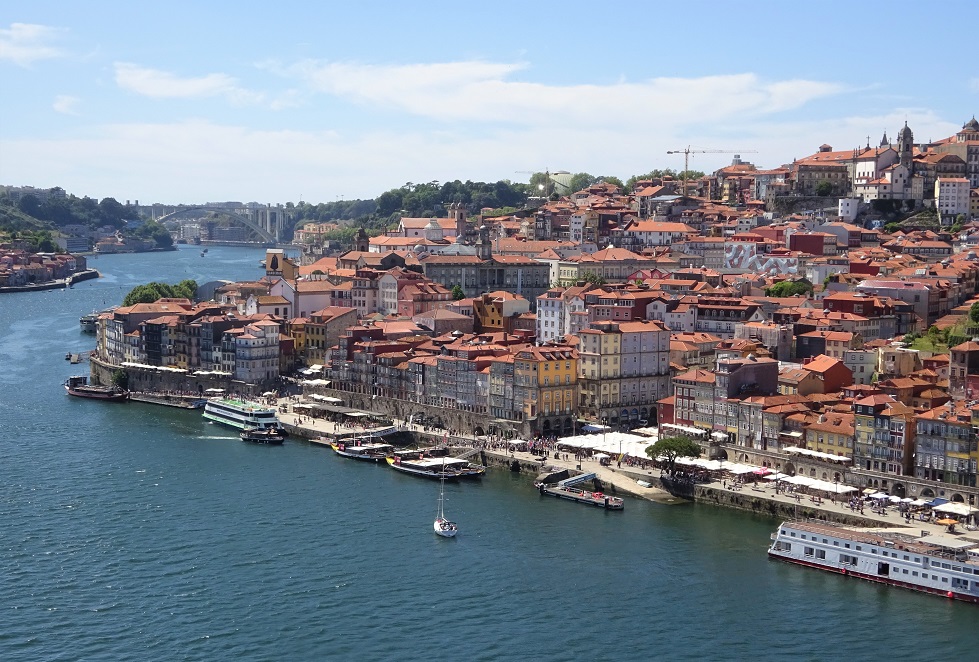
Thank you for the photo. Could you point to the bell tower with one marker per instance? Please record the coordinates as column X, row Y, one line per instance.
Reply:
column 905, row 146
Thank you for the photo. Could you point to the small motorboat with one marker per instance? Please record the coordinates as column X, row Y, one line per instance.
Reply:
column 273, row 436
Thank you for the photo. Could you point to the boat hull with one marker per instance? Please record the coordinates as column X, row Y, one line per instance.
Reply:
column 927, row 564
column 421, row 473
column 107, row 396
column 445, row 528
column 845, row 572
column 267, row 437
column 363, row 457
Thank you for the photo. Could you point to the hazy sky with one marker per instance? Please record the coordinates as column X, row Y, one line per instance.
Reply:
column 280, row 101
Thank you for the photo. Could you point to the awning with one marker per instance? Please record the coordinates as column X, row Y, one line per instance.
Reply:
column 816, row 454
column 955, row 509
column 595, row 427
column 214, row 390
column 937, row 501
column 683, row 428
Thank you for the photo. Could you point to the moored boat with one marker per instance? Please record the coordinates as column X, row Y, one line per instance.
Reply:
column 240, row 413
column 362, row 451
column 599, row 499
column 274, row 436
column 443, row 526
column 942, row 565
column 425, row 467
column 79, row 387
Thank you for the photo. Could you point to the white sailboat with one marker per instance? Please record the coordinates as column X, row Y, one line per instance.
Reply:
column 443, row 526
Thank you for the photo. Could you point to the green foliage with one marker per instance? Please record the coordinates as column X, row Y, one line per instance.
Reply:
column 432, row 199
column 37, row 241
column 593, row 278
column 891, row 228
column 673, row 447
column 152, row 292
column 789, row 288
column 974, row 313
column 690, row 176
column 458, row 293
column 151, row 230
column 824, row 188
column 72, row 210
column 581, row 180
column 120, row 378
column 614, row 181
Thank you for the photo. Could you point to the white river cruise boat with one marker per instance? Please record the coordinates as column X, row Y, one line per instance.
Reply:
column 942, row 565
column 240, row 414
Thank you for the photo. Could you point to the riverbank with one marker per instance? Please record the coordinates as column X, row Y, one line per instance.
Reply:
column 58, row 284
column 761, row 498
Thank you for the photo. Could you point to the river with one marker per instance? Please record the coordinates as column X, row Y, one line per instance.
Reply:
column 136, row 532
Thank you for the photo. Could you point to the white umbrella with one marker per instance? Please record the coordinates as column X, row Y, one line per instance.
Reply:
column 894, row 499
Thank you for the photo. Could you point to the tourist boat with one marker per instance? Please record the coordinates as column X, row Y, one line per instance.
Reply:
column 938, row 564
column 273, row 436
column 240, row 414
column 361, row 451
column 426, row 467
column 443, row 526
column 89, row 323
column 79, row 386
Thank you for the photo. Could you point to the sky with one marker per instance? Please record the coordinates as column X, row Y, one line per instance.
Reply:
column 274, row 102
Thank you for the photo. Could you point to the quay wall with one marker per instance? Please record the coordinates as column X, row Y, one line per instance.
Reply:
column 151, row 380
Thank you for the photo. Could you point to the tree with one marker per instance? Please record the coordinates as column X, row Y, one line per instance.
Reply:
column 593, row 278
column 29, row 204
column 120, row 378
column 579, row 181
column 789, row 288
column 614, row 181
column 974, row 313
column 153, row 292
column 458, row 293
column 671, row 448
column 824, row 188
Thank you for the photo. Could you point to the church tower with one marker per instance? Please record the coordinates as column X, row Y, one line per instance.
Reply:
column 484, row 248
column 905, row 146
column 362, row 243
column 457, row 212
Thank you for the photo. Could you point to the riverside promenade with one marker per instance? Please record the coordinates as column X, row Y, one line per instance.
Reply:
column 759, row 497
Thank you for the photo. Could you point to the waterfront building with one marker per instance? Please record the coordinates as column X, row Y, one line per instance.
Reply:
column 884, row 435
column 946, row 445
column 545, row 383
column 623, row 370
column 832, row 433
column 734, row 380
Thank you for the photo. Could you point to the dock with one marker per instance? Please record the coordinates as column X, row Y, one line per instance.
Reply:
column 176, row 401
column 563, row 491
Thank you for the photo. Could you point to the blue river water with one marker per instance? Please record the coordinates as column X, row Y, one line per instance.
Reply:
column 132, row 532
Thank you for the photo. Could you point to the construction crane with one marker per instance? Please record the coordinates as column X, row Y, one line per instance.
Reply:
column 688, row 151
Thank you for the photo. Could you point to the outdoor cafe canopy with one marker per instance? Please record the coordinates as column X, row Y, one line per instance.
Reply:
column 955, row 509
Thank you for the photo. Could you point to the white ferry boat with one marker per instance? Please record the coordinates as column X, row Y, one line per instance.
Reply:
column 240, row 414
column 942, row 565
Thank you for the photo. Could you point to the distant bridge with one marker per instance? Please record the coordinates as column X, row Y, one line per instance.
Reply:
column 249, row 223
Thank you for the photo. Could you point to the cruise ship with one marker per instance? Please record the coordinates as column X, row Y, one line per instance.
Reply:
column 938, row 564
column 240, row 414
